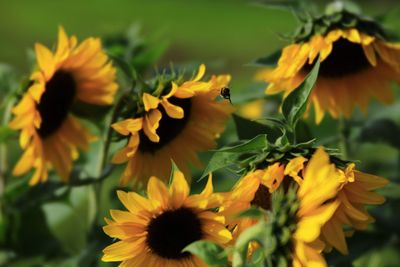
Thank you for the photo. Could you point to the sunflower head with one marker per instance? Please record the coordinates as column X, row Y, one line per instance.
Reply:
column 299, row 197
column 155, row 230
column 357, row 62
column 257, row 190
column 50, row 134
column 171, row 118
column 331, row 197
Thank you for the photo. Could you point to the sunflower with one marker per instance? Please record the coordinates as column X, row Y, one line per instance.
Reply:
column 155, row 230
column 354, row 194
column 50, row 134
column 356, row 63
column 253, row 109
column 318, row 183
column 316, row 190
column 183, row 120
column 255, row 190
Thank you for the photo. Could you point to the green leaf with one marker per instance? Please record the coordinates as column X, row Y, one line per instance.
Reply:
column 295, row 103
column 381, row 131
column 211, row 253
column 269, row 61
column 386, row 256
column 66, row 225
column 83, row 201
column 247, row 129
column 220, row 160
column 174, row 169
column 257, row 143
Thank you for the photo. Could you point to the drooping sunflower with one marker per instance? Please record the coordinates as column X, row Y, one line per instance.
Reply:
column 50, row 134
column 155, row 230
column 177, row 123
column 357, row 63
column 355, row 192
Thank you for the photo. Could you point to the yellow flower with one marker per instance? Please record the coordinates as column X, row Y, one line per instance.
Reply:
column 155, row 230
column 318, row 186
column 50, row 134
column 252, row 109
column 255, row 189
column 354, row 67
column 175, row 126
column 354, row 194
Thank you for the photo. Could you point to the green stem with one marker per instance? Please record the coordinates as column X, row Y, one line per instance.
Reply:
column 344, row 133
column 101, row 176
column 107, row 142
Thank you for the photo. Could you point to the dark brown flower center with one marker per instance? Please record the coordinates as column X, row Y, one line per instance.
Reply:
column 56, row 102
column 262, row 198
column 172, row 231
column 346, row 58
column 169, row 128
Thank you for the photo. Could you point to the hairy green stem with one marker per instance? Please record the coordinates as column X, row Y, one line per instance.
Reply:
column 344, row 133
column 108, row 135
column 101, row 174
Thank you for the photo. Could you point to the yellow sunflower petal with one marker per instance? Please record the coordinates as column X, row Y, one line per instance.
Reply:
column 174, row 88
column 173, row 111
column 179, row 189
column 369, row 52
column 156, row 190
column 151, row 123
column 122, row 250
column 45, row 60
column 150, row 102
column 128, row 126
column 200, row 73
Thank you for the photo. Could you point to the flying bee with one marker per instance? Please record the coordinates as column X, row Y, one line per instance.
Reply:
column 226, row 93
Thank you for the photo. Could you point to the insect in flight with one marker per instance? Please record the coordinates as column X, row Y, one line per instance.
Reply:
column 226, row 93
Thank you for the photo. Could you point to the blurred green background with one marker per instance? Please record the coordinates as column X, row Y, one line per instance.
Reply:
column 224, row 34
column 228, row 32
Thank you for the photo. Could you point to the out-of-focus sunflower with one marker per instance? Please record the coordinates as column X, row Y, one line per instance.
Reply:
column 355, row 192
column 50, row 134
column 319, row 184
column 252, row 109
column 177, row 123
column 155, row 230
column 255, row 190
column 357, row 63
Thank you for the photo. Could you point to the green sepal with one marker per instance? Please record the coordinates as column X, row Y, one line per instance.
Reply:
column 211, row 253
